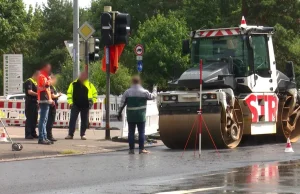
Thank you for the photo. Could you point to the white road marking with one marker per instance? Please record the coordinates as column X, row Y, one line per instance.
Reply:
column 155, row 182
column 191, row 191
column 220, row 173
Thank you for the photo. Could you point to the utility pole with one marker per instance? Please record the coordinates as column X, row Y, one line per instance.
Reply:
column 75, row 44
column 107, row 101
column 75, row 39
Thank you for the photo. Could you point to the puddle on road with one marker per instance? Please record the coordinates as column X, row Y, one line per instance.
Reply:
column 277, row 178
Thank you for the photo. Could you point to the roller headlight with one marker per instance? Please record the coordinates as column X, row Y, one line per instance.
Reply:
column 170, row 98
column 204, row 96
column 213, row 96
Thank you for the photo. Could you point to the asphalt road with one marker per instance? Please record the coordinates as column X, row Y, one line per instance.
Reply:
column 254, row 169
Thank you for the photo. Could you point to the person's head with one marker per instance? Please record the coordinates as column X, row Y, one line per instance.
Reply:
column 83, row 76
column 53, row 80
column 136, row 80
column 46, row 67
column 35, row 75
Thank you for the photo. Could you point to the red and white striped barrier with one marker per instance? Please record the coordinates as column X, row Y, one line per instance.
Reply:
column 13, row 113
column 217, row 32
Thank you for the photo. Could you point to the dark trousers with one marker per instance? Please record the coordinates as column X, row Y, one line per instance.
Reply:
column 50, row 122
column 31, row 113
column 84, row 114
column 131, row 132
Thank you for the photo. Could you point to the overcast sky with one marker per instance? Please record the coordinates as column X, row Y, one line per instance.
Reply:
column 82, row 3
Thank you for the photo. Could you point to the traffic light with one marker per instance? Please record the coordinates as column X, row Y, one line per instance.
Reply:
column 106, row 28
column 122, row 28
column 95, row 49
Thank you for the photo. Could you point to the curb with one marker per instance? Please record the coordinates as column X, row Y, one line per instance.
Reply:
column 76, row 154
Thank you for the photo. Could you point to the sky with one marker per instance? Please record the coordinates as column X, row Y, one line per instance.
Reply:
column 82, row 3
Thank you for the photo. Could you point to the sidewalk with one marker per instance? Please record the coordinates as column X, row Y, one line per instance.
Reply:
column 31, row 150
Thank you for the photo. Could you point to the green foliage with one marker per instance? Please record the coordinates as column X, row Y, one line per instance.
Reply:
column 161, row 36
column 65, row 77
column 119, row 81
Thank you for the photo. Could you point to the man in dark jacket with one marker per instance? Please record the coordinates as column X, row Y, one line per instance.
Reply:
column 136, row 100
column 82, row 95
column 52, row 110
column 31, row 106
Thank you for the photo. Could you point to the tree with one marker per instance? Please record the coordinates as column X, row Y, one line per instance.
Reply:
column 161, row 36
column 13, row 26
column 35, row 23
column 65, row 77
column 57, row 27
column 119, row 81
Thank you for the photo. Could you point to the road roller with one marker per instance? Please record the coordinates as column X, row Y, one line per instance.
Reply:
column 242, row 93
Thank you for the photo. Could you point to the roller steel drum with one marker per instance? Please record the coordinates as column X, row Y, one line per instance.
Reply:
column 176, row 128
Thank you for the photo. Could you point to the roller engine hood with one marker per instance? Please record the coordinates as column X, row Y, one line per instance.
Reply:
column 190, row 78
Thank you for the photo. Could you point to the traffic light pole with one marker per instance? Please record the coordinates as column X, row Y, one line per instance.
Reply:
column 107, row 101
column 87, row 58
column 115, row 28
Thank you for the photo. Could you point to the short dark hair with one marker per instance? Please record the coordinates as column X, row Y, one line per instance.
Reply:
column 136, row 79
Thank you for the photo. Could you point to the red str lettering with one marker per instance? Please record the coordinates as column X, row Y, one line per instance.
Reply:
column 272, row 110
column 253, row 110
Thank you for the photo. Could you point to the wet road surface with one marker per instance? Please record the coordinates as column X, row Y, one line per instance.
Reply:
column 254, row 169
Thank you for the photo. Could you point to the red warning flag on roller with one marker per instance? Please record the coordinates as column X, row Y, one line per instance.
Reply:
column 115, row 52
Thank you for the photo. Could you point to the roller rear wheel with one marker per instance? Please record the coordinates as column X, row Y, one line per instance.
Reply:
column 288, row 123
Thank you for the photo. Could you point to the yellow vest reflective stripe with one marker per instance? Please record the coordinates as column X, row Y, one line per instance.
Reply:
column 32, row 80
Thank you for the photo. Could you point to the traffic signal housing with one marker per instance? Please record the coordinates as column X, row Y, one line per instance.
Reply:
column 122, row 28
column 94, row 49
column 107, row 28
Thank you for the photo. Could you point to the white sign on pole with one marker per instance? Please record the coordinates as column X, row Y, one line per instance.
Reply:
column 139, row 58
column 12, row 74
column 139, row 50
column 69, row 45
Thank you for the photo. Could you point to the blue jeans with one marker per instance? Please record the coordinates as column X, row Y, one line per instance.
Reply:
column 44, row 107
column 131, row 132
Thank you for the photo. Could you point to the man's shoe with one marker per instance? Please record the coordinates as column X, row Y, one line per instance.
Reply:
column 131, row 152
column 144, row 151
column 29, row 137
column 44, row 142
column 52, row 139
column 69, row 137
column 83, row 138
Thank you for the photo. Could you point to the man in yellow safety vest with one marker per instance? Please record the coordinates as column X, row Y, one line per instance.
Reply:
column 81, row 95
